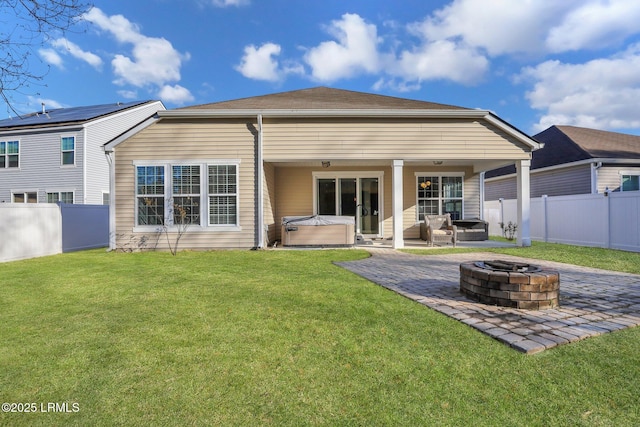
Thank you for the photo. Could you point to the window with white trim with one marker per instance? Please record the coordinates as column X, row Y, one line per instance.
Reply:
column 438, row 195
column 9, row 154
column 630, row 182
column 68, row 150
column 172, row 194
column 185, row 203
column 223, row 194
column 60, row 196
column 150, row 193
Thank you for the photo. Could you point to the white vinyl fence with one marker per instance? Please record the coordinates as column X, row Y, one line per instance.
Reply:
column 587, row 219
column 33, row 230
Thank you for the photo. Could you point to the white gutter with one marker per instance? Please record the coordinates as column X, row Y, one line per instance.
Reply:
column 112, row 200
column 260, row 187
column 84, row 165
column 212, row 113
column 481, row 195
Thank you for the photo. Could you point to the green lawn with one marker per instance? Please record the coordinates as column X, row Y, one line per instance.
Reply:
column 278, row 338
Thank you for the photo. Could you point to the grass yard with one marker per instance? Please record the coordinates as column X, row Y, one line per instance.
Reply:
column 278, row 338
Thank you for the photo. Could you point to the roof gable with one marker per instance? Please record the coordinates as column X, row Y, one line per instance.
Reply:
column 63, row 116
column 323, row 98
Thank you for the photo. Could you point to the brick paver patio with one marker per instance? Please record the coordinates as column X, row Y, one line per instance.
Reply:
column 592, row 301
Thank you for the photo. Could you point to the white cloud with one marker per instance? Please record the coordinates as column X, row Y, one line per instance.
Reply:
column 50, row 104
column 595, row 24
column 175, row 94
column 498, row 26
column 153, row 61
column 260, row 63
column 128, row 94
column 601, row 93
column 227, row 3
column 50, row 56
column 355, row 51
column 442, row 60
column 66, row 46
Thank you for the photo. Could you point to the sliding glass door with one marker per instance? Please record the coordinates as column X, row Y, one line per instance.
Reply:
column 351, row 194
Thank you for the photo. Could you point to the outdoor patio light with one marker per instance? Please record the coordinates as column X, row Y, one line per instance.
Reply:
column 326, row 164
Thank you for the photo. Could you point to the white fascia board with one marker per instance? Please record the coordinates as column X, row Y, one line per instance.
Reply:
column 195, row 113
column 159, row 104
column 499, row 123
column 109, row 146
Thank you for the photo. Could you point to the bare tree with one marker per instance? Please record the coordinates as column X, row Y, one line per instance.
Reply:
column 26, row 25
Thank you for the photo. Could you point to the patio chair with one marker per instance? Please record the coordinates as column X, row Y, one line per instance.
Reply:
column 438, row 229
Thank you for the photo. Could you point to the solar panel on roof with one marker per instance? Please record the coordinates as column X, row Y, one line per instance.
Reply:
column 67, row 115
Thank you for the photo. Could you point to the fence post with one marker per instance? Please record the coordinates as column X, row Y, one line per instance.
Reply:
column 607, row 235
column 501, row 200
column 545, row 218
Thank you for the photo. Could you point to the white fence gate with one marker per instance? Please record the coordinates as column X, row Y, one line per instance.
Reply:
column 33, row 230
column 586, row 219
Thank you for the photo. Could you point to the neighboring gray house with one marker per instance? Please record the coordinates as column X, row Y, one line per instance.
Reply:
column 56, row 155
column 574, row 160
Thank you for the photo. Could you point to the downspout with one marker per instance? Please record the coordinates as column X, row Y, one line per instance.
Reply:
column 112, row 199
column 594, row 177
column 481, row 195
column 84, row 166
column 260, row 189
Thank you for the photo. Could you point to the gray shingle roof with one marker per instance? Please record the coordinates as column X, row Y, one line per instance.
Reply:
column 323, row 98
column 63, row 116
column 599, row 143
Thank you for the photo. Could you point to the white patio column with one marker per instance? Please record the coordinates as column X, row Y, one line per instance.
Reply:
column 524, row 203
column 397, row 204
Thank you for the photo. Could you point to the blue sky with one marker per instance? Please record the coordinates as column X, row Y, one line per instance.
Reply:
column 533, row 62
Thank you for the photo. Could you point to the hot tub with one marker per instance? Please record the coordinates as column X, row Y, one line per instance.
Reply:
column 318, row 230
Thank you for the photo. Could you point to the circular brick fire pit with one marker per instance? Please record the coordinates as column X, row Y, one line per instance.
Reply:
column 510, row 284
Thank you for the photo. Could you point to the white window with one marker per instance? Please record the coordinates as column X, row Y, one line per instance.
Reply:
column 60, row 196
column 150, row 193
column 185, row 204
column 68, row 150
column 9, row 154
column 223, row 194
column 630, row 182
column 439, row 194
column 172, row 194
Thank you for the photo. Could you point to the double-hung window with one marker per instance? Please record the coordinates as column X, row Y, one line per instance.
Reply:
column 68, row 150
column 223, row 195
column 9, row 154
column 439, row 194
column 185, row 204
column 150, row 195
column 204, row 194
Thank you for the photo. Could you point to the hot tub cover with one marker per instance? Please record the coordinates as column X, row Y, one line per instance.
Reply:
column 317, row 220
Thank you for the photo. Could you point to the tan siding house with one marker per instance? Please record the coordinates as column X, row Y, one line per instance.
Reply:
column 241, row 166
